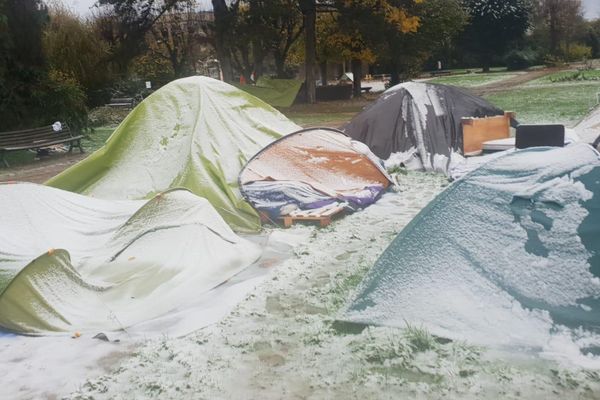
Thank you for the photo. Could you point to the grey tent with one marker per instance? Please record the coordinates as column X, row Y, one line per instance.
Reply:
column 418, row 123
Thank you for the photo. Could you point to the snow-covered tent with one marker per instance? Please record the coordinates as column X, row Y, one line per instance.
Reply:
column 588, row 129
column 507, row 256
column 74, row 263
column 313, row 168
column 418, row 125
column 195, row 133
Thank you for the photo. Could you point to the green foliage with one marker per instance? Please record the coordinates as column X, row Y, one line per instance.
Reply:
column 22, row 64
column 63, row 99
column 72, row 47
column 494, row 25
column 520, row 59
column 576, row 76
column 576, row 52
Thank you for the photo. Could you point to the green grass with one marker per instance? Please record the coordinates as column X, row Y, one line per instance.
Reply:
column 312, row 119
column 565, row 104
column 568, row 77
column 472, row 80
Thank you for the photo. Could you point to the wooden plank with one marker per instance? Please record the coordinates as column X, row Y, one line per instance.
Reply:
column 323, row 217
column 476, row 131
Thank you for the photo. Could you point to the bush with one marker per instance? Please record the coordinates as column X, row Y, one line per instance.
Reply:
column 577, row 52
column 61, row 98
column 520, row 59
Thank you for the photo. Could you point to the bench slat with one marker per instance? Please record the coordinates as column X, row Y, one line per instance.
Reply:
column 40, row 144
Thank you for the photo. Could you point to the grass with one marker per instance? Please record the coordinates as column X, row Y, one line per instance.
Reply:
column 567, row 77
column 565, row 104
column 472, row 80
column 327, row 113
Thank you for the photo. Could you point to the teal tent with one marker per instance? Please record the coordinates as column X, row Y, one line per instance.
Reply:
column 508, row 256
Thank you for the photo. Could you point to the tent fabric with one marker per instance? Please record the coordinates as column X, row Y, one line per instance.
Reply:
column 588, row 129
column 506, row 256
column 310, row 169
column 195, row 133
column 276, row 92
column 70, row 262
column 418, row 125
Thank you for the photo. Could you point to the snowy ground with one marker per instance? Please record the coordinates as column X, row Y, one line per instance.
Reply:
column 282, row 340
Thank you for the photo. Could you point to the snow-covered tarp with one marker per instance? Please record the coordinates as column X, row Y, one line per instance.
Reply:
column 276, row 92
column 195, row 133
column 74, row 263
column 310, row 169
column 418, row 125
column 507, row 256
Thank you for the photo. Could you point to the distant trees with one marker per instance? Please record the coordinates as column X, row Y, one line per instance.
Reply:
column 561, row 31
column 493, row 26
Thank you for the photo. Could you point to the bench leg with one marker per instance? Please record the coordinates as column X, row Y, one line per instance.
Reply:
column 4, row 160
column 80, row 147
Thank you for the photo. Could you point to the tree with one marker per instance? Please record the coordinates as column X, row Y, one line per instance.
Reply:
column 494, row 25
column 22, row 62
column 364, row 23
column 440, row 22
column 72, row 47
column 558, row 22
column 178, row 38
column 224, row 19
column 130, row 21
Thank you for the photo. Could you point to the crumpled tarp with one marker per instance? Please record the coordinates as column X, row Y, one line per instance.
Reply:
column 310, row 169
column 195, row 133
column 276, row 92
column 418, row 125
column 506, row 256
column 75, row 263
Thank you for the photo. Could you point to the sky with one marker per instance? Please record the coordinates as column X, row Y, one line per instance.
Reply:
column 82, row 7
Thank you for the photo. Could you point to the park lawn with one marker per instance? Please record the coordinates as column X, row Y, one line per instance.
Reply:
column 568, row 78
column 321, row 119
column 565, row 104
column 473, row 79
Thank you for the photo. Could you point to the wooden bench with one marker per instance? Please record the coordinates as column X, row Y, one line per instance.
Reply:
column 36, row 139
column 121, row 102
column 366, row 89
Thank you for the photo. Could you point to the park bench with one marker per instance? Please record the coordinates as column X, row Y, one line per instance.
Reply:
column 36, row 139
column 440, row 73
column 121, row 102
column 366, row 89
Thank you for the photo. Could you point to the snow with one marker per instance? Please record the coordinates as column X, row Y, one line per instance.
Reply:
column 497, row 260
column 280, row 341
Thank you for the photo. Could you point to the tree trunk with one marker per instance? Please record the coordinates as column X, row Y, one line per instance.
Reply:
column 221, row 15
column 323, row 67
column 280, row 66
column 394, row 74
column 356, row 65
column 309, row 13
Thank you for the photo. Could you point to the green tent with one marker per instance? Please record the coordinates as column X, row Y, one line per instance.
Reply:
column 276, row 92
column 507, row 256
column 76, row 263
column 195, row 133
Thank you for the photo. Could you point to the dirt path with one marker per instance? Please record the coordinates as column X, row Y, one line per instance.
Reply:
column 42, row 170
column 514, row 81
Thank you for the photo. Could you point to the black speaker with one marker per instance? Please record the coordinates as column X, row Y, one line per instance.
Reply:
column 540, row 135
